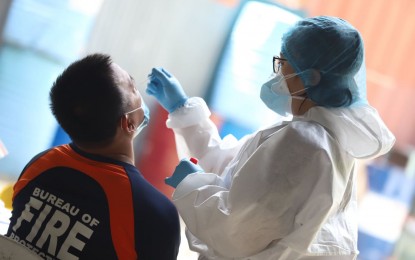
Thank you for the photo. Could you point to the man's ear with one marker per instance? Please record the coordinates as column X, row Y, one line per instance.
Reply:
column 126, row 125
column 124, row 122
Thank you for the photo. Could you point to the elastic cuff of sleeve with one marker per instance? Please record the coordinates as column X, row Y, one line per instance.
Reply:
column 192, row 112
column 178, row 105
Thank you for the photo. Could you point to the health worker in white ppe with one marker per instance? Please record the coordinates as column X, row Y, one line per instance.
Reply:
column 287, row 191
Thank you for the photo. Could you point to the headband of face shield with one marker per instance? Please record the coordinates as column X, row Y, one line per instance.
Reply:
column 327, row 54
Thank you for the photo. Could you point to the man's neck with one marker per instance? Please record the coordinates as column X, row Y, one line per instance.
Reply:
column 124, row 153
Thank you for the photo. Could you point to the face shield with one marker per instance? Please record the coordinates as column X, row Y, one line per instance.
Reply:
column 328, row 55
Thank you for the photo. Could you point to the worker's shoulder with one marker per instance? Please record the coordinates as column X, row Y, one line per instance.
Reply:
column 306, row 132
column 306, row 128
column 308, row 125
column 38, row 156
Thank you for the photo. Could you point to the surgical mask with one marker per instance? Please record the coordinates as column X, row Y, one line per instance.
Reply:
column 146, row 119
column 276, row 95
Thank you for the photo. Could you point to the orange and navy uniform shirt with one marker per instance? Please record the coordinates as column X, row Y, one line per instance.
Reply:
column 68, row 204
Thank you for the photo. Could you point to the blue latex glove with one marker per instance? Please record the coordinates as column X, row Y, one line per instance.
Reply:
column 166, row 89
column 184, row 168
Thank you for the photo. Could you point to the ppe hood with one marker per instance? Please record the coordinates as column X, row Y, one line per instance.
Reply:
column 358, row 129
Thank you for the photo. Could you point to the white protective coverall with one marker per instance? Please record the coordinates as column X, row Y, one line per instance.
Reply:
column 285, row 192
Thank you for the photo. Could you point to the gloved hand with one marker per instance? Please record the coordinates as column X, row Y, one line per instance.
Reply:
column 166, row 89
column 184, row 168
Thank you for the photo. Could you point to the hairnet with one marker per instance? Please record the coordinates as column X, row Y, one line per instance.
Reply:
column 328, row 55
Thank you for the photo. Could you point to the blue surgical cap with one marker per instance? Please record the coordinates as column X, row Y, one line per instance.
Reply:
column 327, row 53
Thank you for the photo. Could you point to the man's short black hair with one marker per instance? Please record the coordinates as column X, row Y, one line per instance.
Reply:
column 86, row 101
